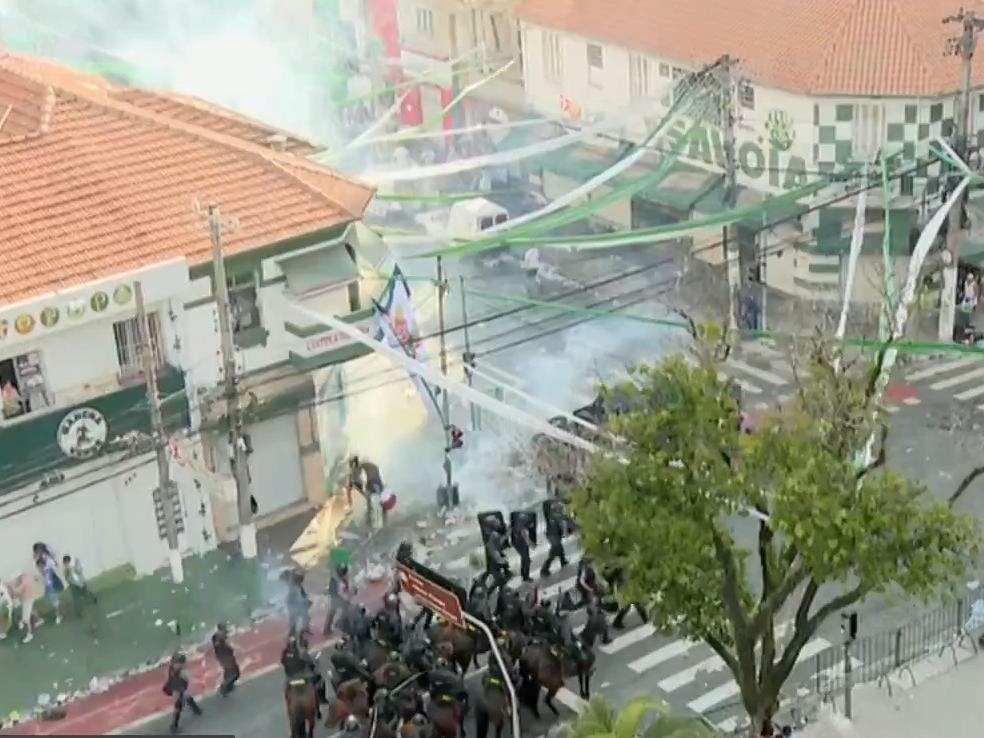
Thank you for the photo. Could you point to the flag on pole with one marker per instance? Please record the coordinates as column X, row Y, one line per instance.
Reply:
column 396, row 324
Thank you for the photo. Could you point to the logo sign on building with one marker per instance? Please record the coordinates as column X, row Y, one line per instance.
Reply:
column 82, row 433
column 427, row 588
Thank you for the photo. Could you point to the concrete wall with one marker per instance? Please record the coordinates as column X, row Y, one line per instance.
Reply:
column 106, row 521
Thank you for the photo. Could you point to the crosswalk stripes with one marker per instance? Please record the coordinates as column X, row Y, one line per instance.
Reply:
column 964, row 377
column 689, row 674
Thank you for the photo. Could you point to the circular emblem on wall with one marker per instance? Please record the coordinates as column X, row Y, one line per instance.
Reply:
column 24, row 324
column 49, row 317
column 75, row 309
column 122, row 294
column 82, row 433
column 4, row 327
column 99, row 301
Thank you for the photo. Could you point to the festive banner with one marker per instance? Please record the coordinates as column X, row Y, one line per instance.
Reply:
column 396, row 325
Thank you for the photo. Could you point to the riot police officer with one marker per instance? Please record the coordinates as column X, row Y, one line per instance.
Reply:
column 521, row 542
column 338, row 591
column 226, row 658
column 556, row 529
column 177, row 686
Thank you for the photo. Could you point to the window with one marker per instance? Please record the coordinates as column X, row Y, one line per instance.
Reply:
column 425, row 21
column 22, row 385
column 664, row 70
column 128, row 344
column 746, row 95
column 596, row 64
column 639, row 85
column 552, row 63
column 244, row 302
column 866, row 133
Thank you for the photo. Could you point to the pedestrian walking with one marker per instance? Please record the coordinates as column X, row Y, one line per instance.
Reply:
column 46, row 564
column 338, row 592
column 226, row 658
column 176, row 686
column 77, row 584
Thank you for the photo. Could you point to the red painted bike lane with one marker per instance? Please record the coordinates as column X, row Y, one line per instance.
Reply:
column 140, row 696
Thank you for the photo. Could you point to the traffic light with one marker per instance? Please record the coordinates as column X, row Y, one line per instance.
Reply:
column 457, row 437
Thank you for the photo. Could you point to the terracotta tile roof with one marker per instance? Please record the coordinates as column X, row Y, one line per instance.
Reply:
column 91, row 185
column 822, row 47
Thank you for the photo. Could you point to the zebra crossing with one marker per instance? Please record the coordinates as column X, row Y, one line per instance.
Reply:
column 641, row 659
column 759, row 384
column 962, row 379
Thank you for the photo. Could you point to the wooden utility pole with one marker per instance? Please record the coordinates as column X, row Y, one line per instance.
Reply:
column 167, row 503
column 729, row 233
column 240, row 470
column 442, row 287
column 964, row 46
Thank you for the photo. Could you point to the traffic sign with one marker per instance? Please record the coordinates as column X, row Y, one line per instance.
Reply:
column 431, row 595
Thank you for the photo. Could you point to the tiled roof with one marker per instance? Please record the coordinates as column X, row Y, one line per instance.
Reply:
column 92, row 185
column 821, row 47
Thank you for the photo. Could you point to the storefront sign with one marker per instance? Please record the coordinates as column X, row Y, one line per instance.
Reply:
column 82, row 433
column 763, row 160
column 330, row 340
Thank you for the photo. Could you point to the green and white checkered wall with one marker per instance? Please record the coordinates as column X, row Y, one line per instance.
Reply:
column 909, row 127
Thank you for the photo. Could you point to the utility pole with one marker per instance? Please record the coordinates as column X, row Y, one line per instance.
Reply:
column 442, row 287
column 166, row 500
column 240, row 470
column 729, row 233
column 469, row 358
column 964, row 46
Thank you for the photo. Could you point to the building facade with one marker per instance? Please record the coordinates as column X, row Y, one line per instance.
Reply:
column 805, row 110
column 76, row 462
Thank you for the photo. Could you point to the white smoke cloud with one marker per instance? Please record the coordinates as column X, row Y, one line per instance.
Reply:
column 259, row 58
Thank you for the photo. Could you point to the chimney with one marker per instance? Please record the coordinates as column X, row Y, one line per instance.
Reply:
column 277, row 142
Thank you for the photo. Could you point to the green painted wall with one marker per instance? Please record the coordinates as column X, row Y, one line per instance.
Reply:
column 29, row 450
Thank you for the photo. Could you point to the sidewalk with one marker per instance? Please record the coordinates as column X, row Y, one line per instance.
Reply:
column 942, row 704
column 104, row 664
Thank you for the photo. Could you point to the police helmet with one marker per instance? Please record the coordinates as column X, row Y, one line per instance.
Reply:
column 343, row 569
column 222, row 627
column 441, row 663
column 179, row 657
column 351, row 724
column 419, row 720
column 381, row 696
column 391, row 600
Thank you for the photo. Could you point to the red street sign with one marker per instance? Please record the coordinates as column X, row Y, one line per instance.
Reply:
column 431, row 595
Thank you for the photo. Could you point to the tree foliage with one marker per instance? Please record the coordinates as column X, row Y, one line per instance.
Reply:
column 723, row 534
column 600, row 719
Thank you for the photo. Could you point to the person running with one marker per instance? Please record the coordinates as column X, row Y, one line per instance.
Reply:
column 54, row 582
column 226, row 658
column 176, row 686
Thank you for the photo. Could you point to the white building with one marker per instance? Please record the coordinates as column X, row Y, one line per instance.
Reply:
column 824, row 86
column 99, row 192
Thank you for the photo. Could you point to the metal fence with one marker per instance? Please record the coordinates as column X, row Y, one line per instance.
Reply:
column 885, row 655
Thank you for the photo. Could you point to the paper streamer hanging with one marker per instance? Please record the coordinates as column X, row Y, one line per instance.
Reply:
column 435, row 377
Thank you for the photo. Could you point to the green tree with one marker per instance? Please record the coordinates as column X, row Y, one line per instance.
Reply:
column 600, row 719
column 724, row 534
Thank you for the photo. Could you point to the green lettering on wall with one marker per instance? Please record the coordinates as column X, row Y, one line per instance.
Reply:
column 700, row 147
column 717, row 148
column 795, row 174
column 751, row 160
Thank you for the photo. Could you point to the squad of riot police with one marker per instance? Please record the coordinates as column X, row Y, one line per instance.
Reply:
column 408, row 660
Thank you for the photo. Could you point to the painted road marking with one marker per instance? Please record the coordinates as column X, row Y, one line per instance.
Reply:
column 630, row 638
column 969, row 394
column 570, row 700
column 767, row 377
column 913, row 401
column 657, row 657
column 959, row 379
column 682, row 678
column 730, row 688
column 941, row 369
column 745, row 386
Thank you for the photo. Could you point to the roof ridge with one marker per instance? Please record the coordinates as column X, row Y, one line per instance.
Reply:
column 257, row 152
column 907, row 31
column 213, row 109
column 104, row 99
